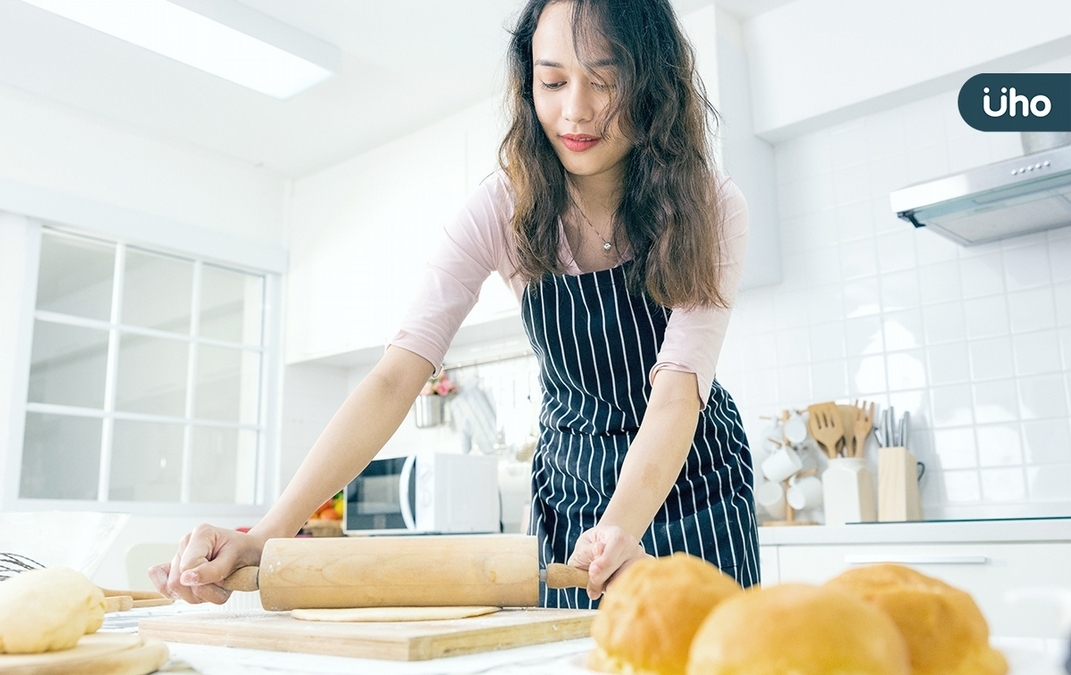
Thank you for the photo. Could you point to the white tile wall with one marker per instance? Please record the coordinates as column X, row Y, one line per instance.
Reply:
column 974, row 342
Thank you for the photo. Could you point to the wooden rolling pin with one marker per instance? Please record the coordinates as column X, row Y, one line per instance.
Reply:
column 405, row 571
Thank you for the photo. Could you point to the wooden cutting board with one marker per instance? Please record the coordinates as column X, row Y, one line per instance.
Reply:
column 395, row 641
column 97, row 654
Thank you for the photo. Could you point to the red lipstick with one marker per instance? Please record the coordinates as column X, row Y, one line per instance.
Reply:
column 579, row 142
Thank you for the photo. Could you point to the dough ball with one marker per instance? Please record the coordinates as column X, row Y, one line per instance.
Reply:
column 647, row 619
column 945, row 630
column 799, row 629
column 47, row 610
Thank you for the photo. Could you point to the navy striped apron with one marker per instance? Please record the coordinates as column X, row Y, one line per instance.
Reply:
column 596, row 344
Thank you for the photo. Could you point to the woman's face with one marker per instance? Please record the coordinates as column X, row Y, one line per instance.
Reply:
column 571, row 103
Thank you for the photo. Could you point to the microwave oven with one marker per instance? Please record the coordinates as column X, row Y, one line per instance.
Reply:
column 424, row 493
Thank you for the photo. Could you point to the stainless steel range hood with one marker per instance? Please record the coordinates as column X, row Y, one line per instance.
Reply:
column 1007, row 199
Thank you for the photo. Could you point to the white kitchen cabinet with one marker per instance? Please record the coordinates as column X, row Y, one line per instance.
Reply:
column 361, row 233
column 769, row 569
column 987, row 570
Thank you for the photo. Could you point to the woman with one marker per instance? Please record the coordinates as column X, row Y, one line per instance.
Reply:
column 624, row 248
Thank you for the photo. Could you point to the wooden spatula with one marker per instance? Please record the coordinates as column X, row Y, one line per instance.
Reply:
column 826, row 428
column 864, row 423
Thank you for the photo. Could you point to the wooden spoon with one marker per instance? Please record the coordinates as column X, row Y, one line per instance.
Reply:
column 825, row 426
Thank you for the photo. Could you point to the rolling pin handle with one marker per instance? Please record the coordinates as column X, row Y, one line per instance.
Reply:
column 563, row 576
column 242, row 579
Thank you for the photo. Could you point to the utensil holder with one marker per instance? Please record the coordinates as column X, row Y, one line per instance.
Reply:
column 898, row 485
column 848, row 492
column 428, row 411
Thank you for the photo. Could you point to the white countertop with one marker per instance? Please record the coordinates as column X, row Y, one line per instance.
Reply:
column 1027, row 656
column 921, row 532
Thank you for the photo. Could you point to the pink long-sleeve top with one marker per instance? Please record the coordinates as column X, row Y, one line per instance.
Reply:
column 478, row 242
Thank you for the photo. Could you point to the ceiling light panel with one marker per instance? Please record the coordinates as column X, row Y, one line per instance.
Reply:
column 221, row 37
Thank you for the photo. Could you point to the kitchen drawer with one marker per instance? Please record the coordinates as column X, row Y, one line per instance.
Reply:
column 987, row 570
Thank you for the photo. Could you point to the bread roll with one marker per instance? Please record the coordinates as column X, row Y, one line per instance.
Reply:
column 944, row 629
column 798, row 629
column 47, row 610
column 649, row 614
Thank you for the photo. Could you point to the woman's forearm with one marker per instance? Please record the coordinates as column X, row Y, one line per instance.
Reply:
column 358, row 430
column 657, row 454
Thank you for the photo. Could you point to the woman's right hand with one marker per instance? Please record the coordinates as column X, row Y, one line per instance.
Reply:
column 205, row 557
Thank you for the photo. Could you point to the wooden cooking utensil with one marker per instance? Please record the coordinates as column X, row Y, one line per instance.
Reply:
column 847, row 423
column 406, row 571
column 864, row 423
column 824, row 423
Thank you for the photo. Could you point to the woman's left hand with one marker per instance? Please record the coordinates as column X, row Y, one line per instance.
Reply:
column 604, row 551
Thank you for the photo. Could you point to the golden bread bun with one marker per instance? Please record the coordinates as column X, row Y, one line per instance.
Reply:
column 798, row 629
column 649, row 614
column 944, row 629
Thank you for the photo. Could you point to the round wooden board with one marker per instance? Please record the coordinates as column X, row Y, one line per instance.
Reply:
column 97, row 654
column 380, row 614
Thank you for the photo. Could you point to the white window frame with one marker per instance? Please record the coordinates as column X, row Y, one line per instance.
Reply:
column 157, row 235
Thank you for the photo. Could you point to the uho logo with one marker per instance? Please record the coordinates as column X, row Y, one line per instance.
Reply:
column 1017, row 102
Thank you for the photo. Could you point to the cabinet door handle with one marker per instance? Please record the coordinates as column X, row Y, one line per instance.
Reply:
column 916, row 559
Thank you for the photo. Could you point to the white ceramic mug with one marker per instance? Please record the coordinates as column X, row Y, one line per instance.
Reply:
column 805, row 493
column 781, row 464
column 795, row 429
column 771, row 497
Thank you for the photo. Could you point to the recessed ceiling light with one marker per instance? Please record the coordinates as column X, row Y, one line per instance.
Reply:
column 221, row 37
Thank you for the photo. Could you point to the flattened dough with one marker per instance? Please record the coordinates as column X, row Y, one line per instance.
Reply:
column 367, row 614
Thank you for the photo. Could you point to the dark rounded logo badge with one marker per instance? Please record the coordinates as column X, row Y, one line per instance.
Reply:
column 1017, row 102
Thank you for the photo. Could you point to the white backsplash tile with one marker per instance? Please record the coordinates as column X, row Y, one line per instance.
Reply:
column 906, row 369
column 961, row 487
column 900, row 290
column 991, row 359
column 864, row 335
column 982, row 275
column 1042, row 397
column 999, row 445
column 948, row 363
column 1032, row 310
column 996, row 401
column 1027, row 266
column 952, row 405
column 903, row 330
column 1062, row 298
column 986, row 317
column 858, row 259
column 1046, row 441
column 944, row 323
column 1037, row 353
column 1003, row 485
column 827, row 341
column 974, row 341
column 1049, row 483
column 939, row 283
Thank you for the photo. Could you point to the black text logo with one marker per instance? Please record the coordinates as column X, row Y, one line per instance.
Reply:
column 1017, row 102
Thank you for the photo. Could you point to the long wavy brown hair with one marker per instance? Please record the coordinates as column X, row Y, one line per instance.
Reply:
column 668, row 210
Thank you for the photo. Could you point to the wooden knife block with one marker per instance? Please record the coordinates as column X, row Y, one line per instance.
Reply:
column 898, row 485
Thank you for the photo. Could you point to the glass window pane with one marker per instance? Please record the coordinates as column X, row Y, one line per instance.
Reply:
column 152, row 375
column 231, row 305
column 60, row 457
column 68, row 365
column 146, row 462
column 228, row 384
column 223, row 466
column 76, row 277
column 157, row 291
